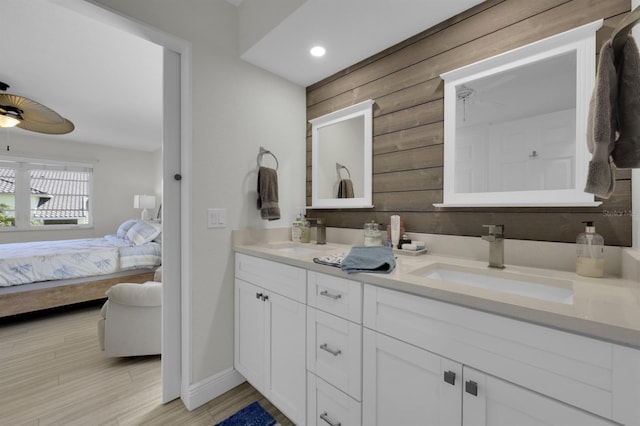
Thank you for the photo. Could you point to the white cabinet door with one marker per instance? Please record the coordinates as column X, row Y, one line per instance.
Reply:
column 249, row 356
column 285, row 375
column 405, row 386
column 489, row 401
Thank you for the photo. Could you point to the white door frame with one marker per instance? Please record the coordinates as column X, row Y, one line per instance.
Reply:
column 176, row 347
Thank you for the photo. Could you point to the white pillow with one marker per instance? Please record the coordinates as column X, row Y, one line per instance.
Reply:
column 143, row 232
column 124, row 228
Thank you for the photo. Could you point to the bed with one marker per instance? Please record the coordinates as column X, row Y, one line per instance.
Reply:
column 41, row 275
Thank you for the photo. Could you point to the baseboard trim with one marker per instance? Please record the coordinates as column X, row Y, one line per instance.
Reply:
column 205, row 390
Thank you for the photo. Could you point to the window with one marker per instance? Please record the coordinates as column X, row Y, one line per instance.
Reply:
column 38, row 194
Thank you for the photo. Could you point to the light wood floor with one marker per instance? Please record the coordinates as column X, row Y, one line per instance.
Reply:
column 52, row 372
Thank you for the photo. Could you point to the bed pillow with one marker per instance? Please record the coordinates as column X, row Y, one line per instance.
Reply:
column 124, row 228
column 143, row 232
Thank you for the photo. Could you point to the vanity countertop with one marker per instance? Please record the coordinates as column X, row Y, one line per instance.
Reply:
column 604, row 308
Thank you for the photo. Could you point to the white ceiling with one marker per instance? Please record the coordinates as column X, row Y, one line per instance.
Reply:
column 350, row 30
column 108, row 82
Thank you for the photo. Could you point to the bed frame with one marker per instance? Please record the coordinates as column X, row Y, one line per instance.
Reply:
column 50, row 294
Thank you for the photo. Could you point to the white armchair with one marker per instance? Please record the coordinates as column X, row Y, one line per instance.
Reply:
column 130, row 320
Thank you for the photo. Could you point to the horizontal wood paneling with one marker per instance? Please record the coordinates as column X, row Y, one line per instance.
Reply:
column 408, row 121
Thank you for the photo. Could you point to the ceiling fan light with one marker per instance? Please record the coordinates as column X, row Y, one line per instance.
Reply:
column 8, row 121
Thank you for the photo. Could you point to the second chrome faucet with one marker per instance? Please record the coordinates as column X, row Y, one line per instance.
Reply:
column 496, row 245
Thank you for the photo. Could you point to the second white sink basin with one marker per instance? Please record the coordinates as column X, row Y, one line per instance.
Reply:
column 551, row 289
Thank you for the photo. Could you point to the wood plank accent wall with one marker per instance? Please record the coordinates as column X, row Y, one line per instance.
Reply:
column 408, row 122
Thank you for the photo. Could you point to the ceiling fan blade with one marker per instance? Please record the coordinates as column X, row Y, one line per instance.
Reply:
column 37, row 117
column 65, row 126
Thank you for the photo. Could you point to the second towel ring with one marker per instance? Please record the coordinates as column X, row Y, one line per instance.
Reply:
column 339, row 167
column 263, row 152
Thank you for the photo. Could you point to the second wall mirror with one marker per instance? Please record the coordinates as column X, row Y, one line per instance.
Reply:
column 341, row 149
column 515, row 125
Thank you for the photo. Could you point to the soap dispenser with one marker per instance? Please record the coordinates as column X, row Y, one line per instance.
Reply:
column 590, row 251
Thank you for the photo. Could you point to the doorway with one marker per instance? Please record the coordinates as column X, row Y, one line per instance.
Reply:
column 175, row 188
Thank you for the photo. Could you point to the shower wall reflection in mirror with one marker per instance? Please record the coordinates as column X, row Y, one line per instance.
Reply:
column 515, row 130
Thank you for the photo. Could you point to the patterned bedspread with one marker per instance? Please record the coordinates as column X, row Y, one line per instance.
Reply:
column 22, row 263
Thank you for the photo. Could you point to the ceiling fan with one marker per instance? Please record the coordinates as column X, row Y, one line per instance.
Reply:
column 466, row 94
column 17, row 111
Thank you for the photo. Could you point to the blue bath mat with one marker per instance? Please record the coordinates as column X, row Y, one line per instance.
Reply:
column 251, row 415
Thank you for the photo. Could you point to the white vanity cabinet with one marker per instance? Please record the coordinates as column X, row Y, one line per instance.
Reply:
column 334, row 350
column 270, row 316
column 433, row 363
column 330, row 350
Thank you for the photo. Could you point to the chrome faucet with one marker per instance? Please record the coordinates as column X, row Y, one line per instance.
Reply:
column 321, row 229
column 496, row 245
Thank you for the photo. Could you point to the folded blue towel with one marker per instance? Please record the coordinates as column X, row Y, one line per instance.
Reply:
column 379, row 259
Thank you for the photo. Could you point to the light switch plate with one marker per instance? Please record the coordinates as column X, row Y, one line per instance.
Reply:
column 217, row 218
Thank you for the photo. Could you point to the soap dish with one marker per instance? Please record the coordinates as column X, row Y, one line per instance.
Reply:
column 410, row 252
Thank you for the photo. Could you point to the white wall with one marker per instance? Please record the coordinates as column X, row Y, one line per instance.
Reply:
column 236, row 109
column 118, row 174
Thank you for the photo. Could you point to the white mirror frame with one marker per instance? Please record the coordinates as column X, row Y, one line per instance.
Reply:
column 363, row 109
column 582, row 41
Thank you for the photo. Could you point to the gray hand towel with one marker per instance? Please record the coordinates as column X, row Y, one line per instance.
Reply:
column 626, row 153
column 602, row 126
column 379, row 259
column 345, row 188
column 268, row 194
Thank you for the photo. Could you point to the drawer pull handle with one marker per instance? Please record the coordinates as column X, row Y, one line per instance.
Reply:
column 325, row 293
column 325, row 416
column 333, row 352
column 471, row 387
column 450, row 377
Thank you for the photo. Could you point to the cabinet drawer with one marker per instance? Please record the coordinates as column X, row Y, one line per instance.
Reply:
column 334, row 351
column 571, row 368
column 328, row 406
column 338, row 296
column 285, row 280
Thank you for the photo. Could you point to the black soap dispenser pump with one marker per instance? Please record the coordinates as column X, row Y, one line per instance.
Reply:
column 590, row 252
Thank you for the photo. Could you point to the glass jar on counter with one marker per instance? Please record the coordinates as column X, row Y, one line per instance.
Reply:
column 305, row 231
column 372, row 236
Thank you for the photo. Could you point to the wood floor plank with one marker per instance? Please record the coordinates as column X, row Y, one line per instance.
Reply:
column 52, row 372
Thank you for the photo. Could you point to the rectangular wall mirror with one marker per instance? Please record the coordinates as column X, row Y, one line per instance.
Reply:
column 341, row 158
column 515, row 125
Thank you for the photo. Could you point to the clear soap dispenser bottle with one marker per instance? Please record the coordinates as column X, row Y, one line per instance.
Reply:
column 590, row 250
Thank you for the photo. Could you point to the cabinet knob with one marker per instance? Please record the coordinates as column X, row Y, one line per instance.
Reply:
column 471, row 387
column 259, row 295
column 450, row 377
column 325, row 416
column 265, row 297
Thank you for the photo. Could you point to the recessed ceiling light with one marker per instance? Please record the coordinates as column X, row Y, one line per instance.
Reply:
column 318, row 51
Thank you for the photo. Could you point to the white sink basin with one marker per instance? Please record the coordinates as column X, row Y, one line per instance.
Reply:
column 298, row 250
column 294, row 248
column 537, row 287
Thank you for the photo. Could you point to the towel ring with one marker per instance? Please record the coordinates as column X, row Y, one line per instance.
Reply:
column 339, row 167
column 263, row 152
